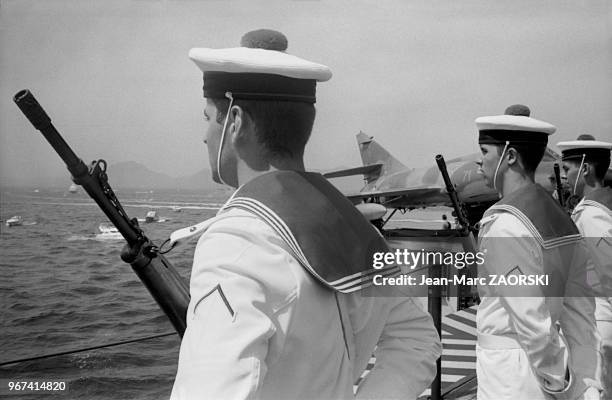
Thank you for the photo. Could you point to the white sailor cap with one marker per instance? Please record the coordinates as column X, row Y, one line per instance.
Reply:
column 515, row 126
column 259, row 70
column 585, row 146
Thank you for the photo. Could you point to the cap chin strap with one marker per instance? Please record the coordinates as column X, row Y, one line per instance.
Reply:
column 501, row 158
column 231, row 103
column 579, row 172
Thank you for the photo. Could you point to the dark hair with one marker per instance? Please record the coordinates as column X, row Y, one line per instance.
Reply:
column 600, row 166
column 282, row 127
column 530, row 155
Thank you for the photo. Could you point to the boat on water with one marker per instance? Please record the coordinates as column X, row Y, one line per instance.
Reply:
column 176, row 209
column 73, row 188
column 151, row 217
column 108, row 231
column 16, row 220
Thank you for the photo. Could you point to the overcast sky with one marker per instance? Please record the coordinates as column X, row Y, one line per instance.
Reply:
column 115, row 77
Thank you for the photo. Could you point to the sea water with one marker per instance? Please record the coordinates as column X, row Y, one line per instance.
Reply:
column 64, row 287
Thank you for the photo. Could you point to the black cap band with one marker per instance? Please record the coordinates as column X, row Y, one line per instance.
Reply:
column 259, row 87
column 589, row 153
column 501, row 136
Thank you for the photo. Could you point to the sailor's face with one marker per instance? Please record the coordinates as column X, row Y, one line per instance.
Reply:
column 569, row 174
column 488, row 162
column 212, row 138
column 223, row 166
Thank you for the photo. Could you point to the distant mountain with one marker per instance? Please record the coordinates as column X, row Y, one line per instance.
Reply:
column 130, row 175
column 133, row 175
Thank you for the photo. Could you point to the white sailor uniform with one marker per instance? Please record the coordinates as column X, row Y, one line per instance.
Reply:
column 524, row 331
column 260, row 325
column 593, row 217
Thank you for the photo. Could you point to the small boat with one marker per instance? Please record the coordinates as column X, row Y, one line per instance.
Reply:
column 176, row 209
column 16, row 220
column 72, row 188
column 151, row 217
column 108, row 231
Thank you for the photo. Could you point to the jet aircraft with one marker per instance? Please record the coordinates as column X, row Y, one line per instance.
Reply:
column 391, row 183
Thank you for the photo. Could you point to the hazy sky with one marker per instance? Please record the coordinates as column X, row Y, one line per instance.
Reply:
column 115, row 77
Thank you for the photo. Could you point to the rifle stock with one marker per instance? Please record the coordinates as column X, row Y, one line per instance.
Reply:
column 155, row 271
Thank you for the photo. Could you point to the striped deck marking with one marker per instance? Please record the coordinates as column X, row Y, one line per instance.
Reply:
column 458, row 348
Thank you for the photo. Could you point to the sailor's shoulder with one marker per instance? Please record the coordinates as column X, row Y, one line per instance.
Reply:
column 237, row 221
column 499, row 223
column 487, row 220
column 592, row 209
column 237, row 247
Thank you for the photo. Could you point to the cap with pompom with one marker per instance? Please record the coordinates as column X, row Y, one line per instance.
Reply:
column 264, row 39
column 585, row 146
column 259, row 70
column 515, row 126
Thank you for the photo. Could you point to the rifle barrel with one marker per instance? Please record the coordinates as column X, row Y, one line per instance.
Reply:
column 156, row 273
column 30, row 107
column 28, row 104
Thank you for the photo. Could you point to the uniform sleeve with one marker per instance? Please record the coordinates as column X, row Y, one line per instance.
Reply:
column 223, row 351
column 579, row 326
column 406, row 354
column 582, row 337
column 596, row 227
column 529, row 315
column 593, row 222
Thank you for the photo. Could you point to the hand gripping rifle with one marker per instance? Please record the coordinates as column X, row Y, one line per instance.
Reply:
column 464, row 229
column 156, row 273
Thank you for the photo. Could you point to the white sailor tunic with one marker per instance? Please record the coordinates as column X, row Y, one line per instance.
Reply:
column 525, row 332
column 276, row 311
column 593, row 217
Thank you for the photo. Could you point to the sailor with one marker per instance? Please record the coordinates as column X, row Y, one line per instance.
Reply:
column 534, row 341
column 585, row 163
column 276, row 307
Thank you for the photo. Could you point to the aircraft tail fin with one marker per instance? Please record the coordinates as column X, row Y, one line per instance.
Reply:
column 373, row 153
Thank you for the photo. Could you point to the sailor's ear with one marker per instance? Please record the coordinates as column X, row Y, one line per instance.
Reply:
column 586, row 169
column 512, row 156
column 244, row 140
column 236, row 120
column 240, row 127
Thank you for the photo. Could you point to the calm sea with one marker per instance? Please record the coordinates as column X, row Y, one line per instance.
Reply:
column 64, row 288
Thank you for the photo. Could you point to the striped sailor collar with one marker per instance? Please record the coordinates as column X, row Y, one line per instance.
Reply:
column 321, row 228
column 540, row 213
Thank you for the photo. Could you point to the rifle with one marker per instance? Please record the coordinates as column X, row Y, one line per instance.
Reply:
column 158, row 275
column 560, row 192
column 464, row 293
column 464, row 224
